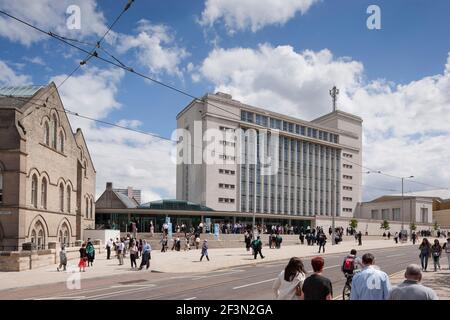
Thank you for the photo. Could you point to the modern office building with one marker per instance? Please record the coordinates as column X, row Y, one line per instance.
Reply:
column 130, row 193
column 238, row 158
column 47, row 178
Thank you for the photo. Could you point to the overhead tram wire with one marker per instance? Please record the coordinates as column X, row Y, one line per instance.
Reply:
column 131, row 70
column 93, row 53
column 119, row 65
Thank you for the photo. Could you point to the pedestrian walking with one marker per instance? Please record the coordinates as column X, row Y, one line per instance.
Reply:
column 425, row 253
column 436, row 251
column 302, row 238
column 446, row 248
column 248, row 240
column 322, row 241
column 90, row 252
column 371, row 283
column 120, row 251
column 359, row 238
column 288, row 285
column 278, row 241
column 414, row 237
column 152, row 229
column 197, row 242
column 257, row 247
column 134, row 252
column 411, row 289
column 146, row 255
column 62, row 258
column 109, row 245
column 83, row 258
column 164, row 244
column 316, row 286
column 204, row 250
column 389, row 235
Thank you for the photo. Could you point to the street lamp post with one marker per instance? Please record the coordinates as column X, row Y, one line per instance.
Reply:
column 403, row 215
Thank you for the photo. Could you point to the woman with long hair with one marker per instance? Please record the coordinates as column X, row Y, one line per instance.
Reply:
column 436, row 251
column 288, row 285
column 425, row 253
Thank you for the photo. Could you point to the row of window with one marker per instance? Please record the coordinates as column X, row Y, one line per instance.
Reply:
column 227, row 143
column 224, row 171
column 65, row 197
column 288, row 126
column 347, row 155
column 347, row 188
column 225, row 157
column 347, row 166
column 386, row 214
column 226, row 186
column 347, row 209
column 347, row 177
column 222, row 128
column 347, row 199
column 51, row 137
column 226, row 200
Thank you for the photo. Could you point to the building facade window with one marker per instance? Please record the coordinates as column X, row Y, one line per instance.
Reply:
column 374, row 214
column 61, row 197
column 44, row 193
column 385, row 214
column 46, row 134
column 69, row 192
column 91, row 209
column 87, row 208
column 34, row 187
column 347, row 209
column 424, row 215
column 347, row 155
column 347, row 188
column 54, row 131
column 347, row 199
column 396, row 214
column 61, row 142
column 347, row 177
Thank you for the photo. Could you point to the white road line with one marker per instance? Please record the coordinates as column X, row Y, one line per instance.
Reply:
column 331, row 267
column 192, row 298
column 61, row 298
column 253, row 284
column 396, row 255
column 216, row 275
column 136, row 290
column 133, row 285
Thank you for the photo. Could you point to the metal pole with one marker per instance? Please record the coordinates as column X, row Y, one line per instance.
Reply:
column 402, row 205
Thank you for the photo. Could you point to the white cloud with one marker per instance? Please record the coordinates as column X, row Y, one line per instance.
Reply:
column 124, row 157
column 8, row 77
column 154, row 47
column 35, row 60
column 49, row 15
column 252, row 14
column 406, row 128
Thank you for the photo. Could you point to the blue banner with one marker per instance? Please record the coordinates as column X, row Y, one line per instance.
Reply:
column 216, row 231
column 169, row 232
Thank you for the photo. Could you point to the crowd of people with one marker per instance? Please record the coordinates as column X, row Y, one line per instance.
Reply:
column 368, row 281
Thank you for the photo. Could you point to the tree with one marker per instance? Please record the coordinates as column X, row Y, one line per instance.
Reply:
column 353, row 223
column 413, row 227
column 385, row 225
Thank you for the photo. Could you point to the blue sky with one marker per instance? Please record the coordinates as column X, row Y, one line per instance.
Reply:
column 412, row 45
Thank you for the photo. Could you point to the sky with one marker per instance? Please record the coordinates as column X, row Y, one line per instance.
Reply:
column 281, row 55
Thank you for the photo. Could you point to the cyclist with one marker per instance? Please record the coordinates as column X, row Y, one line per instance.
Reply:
column 349, row 268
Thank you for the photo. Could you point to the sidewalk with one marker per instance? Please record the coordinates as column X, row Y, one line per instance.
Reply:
column 179, row 262
column 439, row 281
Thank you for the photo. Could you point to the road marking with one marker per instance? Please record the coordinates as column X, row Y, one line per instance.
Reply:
column 60, row 298
column 396, row 255
column 136, row 290
column 133, row 285
column 190, row 298
column 331, row 267
column 216, row 275
column 253, row 284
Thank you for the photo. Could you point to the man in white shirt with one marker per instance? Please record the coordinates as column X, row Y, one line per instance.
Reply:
column 371, row 283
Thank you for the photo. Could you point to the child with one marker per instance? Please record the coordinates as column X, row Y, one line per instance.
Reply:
column 62, row 258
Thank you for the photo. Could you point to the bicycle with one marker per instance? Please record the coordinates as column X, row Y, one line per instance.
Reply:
column 346, row 291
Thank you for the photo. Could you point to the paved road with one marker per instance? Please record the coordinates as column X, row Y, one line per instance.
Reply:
column 240, row 283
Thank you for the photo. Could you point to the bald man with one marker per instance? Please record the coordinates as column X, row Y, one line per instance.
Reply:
column 411, row 289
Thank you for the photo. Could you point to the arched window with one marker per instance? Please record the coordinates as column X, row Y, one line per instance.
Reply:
column 61, row 197
column 40, row 240
column 34, row 185
column 64, row 234
column 1, row 186
column 44, row 193
column 38, row 236
column 87, row 208
column 68, row 198
column 33, row 236
column 61, row 142
column 54, row 131
column 90, row 212
column 46, row 134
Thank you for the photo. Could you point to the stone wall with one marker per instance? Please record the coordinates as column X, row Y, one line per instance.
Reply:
column 27, row 260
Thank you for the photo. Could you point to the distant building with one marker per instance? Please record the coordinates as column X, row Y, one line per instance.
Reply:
column 417, row 208
column 319, row 162
column 130, row 193
column 47, row 178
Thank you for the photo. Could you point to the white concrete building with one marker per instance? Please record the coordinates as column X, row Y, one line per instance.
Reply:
column 238, row 158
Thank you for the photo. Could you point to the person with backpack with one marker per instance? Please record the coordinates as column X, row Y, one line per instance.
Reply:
column 278, row 241
column 257, row 247
column 90, row 252
column 351, row 263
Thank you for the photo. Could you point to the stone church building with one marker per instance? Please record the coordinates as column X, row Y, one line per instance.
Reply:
column 47, row 178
